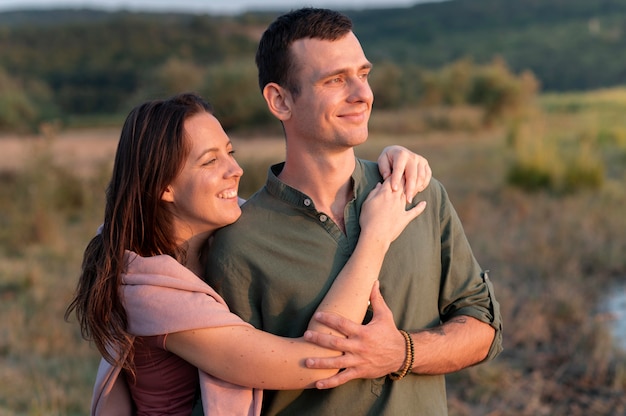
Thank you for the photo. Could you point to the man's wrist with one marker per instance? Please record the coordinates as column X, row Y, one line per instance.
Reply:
column 408, row 358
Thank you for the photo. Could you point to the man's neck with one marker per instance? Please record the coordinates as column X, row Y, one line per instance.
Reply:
column 326, row 180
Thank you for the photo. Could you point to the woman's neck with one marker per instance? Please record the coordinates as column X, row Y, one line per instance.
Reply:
column 195, row 247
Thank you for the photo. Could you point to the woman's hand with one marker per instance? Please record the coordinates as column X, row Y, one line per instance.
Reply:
column 405, row 168
column 384, row 215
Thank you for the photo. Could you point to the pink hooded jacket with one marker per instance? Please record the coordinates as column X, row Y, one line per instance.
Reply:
column 162, row 296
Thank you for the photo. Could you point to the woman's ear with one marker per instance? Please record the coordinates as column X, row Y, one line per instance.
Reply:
column 168, row 194
column 278, row 101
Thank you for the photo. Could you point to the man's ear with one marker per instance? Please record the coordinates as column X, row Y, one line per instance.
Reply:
column 168, row 194
column 278, row 101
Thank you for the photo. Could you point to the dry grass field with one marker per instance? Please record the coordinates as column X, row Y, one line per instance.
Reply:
column 553, row 258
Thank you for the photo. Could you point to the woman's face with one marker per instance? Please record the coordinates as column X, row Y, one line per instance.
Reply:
column 204, row 194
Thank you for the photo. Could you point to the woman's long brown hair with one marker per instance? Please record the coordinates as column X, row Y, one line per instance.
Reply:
column 150, row 154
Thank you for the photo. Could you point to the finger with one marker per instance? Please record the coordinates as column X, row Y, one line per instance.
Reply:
column 411, row 184
column 337, row 322
column 379, row 306
column 374, row 192
column 338, row 379
column 397, row 174
column 325, row 363
column 386, row 184
column 375, row 293
column 417, row 210
column 329, row 341
column 384, row 164
column 425, row 175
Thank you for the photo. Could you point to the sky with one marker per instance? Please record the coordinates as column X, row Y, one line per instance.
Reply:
column 206, row 6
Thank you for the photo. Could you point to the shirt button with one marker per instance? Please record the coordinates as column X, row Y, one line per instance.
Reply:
column 323, row 218
column 307, row 202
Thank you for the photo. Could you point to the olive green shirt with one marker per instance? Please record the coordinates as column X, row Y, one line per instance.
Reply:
column 276, row 263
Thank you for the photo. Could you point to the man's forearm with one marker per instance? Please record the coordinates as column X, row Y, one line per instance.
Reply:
column 459, row 343
column 378, row 348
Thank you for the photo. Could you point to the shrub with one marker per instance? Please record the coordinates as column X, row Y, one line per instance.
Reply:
column 493, row 87
column 501, row 93
column 536, row 162
column 43, row 197
column 530, row 177
column 386, row 83
column 233, row 89
column 17, row 112
column 543, row 163
column 584, row 171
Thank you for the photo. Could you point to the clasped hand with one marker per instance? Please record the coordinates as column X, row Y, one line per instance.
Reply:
column 369, row 351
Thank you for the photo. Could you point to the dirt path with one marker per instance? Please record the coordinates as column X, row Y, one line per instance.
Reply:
column 79, row 150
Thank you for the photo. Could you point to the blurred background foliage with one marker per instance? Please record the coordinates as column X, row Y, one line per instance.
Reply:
column 86, row 65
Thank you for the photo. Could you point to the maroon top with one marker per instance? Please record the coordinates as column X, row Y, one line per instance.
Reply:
column 164, row 383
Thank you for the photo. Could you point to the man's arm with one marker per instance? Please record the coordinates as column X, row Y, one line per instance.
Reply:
column 378, row 348
column 459, row 343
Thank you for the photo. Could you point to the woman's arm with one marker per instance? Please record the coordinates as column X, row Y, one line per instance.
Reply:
column 246, row 356
column 379, row 227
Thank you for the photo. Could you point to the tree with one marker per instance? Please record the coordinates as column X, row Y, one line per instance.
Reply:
column 17, row 112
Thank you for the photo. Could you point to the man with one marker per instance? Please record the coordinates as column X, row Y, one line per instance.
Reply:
column 294, row 235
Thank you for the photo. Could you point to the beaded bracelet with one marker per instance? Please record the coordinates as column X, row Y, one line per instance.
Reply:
column 408, row 361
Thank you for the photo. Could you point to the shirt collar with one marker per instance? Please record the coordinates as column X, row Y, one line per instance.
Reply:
column 294, row 197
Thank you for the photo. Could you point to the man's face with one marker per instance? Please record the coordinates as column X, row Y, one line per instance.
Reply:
column 335, row 100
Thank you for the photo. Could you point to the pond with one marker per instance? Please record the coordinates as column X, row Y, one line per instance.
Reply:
column 616, row 306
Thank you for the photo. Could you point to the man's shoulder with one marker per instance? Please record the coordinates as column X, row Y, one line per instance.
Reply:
column 368, row 166
column 371, row 173
column 250, row 210
column 366, row 174
column 259, row 201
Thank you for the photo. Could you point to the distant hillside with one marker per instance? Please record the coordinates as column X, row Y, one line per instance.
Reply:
column 97, row 62
column 568, row 44
column 94, row 62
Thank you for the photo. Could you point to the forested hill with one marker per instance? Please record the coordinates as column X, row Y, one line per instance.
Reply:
column 568, row 44
column 98, row 62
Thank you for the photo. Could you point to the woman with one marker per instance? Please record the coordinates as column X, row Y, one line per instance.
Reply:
column 139, row 299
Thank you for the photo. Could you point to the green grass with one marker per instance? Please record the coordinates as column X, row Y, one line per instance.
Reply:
column 606, row 100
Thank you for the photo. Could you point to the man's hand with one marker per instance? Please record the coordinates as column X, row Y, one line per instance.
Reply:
column 406, row 169
column 370, row 351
